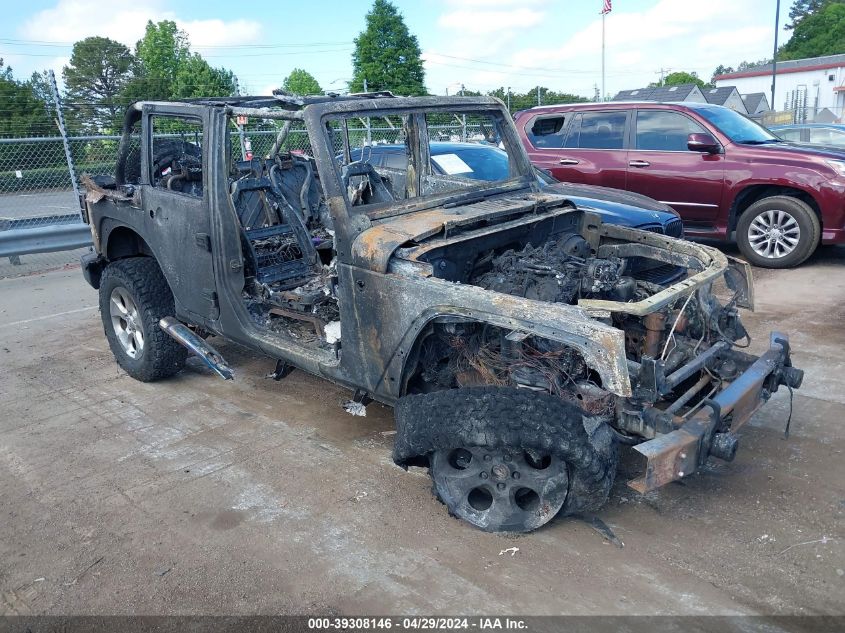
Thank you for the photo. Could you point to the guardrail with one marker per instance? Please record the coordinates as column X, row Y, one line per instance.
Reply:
column 61, row 233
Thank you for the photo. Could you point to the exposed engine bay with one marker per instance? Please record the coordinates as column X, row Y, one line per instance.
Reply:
column 677, row 355
column 559, row 271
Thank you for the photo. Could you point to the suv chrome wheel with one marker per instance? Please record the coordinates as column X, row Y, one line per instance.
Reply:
column 774, row 234
column 126, row 321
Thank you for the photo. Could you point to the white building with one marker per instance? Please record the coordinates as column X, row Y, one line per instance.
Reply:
column 805, row 86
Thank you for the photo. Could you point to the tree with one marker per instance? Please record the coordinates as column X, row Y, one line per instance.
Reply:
column 98, row 72
column 721, row 69
column 301, row 82
column 679, row 79
column 23, row 113
column 525, row 100
column 800, row 9
column 821, row 32
column 743, row 66
column 166, row 68
column 196, row 78
column 386, row 55
column 161, row 51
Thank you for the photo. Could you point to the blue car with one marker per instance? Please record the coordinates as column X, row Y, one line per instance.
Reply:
column 830, row 134
column 482, row 161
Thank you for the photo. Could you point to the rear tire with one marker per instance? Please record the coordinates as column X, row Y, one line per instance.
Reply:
column 134, row 296
column 778, row 232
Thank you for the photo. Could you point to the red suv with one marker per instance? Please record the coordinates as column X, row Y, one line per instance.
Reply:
column 719, row 170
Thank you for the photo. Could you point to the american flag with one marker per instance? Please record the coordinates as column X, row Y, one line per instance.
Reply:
column 606, row 8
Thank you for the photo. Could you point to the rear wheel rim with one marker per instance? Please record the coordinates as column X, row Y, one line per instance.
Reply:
column 506, row 490
column 774, row 234
column 126, row 322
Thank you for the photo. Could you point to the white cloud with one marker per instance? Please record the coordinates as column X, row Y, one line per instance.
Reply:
column 486, row 22
column 125, row 20
column 219, row 32
column 639, row 43
column 494, row 3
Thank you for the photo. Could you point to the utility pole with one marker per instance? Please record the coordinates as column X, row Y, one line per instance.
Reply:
column 509, row 98
column 603, row 15
column 463, row 121
column 538, row 96
column 663, row 72
column 365, row 84
column 775, row 53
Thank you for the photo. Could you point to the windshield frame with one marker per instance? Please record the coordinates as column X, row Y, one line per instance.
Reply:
column 717, row 115
column 523, row 171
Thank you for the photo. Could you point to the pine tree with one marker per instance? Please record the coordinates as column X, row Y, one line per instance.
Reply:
column 386, row 55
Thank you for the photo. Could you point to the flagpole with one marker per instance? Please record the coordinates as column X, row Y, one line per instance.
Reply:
column 601, row 97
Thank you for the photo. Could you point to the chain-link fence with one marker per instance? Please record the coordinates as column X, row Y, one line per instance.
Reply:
column 36, row 190
column 39, row 176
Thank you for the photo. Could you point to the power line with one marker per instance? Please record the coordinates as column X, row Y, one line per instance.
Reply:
column 58, row 44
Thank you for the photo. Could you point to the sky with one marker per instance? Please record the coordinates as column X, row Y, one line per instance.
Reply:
column 482, row 44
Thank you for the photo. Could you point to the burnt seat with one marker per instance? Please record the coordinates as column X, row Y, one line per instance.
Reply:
column 276, row 242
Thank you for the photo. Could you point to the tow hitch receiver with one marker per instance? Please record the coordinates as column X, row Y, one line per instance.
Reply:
column 210, row 356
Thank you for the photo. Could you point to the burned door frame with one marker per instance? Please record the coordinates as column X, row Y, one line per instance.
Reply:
column 184, row 249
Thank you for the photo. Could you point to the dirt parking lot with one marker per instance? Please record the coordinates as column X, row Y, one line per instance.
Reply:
column 199, row 496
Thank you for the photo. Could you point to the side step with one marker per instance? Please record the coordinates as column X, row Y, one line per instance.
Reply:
column 210, row 356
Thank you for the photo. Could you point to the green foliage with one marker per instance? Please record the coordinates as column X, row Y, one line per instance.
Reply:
column 387, row 55
column 39, row 178
column 167, row 69
column 196, row 78
column 680, row 78
column 162, row 50
column 522, row 101
column 98, row 72
column 24, row 113
column 820, row 32
column 743, row 66
column 800, row 9
column 301, row 82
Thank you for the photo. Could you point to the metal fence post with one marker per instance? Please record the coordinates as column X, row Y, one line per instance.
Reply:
column 60, row 119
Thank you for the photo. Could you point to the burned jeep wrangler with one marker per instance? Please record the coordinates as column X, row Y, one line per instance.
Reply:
column 517, row 336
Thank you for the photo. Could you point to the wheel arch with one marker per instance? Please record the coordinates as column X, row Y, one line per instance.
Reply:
column 613, row 377
column 754, row 192
column 122, row 242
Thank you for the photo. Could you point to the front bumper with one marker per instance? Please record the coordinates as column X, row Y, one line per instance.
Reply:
column 710, row 431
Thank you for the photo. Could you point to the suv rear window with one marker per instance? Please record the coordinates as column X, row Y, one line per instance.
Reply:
column 664, row 131
column 546, row 131
column 598, row 130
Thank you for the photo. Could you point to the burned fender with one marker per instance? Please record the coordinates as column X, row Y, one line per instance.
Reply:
column 391, row 329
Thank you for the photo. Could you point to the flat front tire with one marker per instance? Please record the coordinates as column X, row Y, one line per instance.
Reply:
column 506, row 459
column 778, row 232
column 134, row 296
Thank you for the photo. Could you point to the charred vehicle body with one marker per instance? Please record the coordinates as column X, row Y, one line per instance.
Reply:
column 511, row 330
